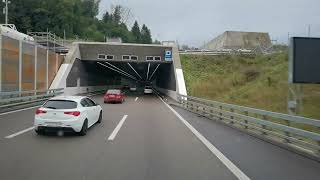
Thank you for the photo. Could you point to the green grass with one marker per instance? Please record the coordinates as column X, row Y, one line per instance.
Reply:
column 255, row 81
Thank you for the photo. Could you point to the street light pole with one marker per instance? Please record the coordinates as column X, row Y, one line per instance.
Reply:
column 6, row 10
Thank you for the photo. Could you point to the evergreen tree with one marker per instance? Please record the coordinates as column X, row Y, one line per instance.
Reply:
column 136, row 32
column 145, row 35
column 76, row 17
column 116, row 16
column 106, row 17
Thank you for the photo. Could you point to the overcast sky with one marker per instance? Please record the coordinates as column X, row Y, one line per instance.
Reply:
column 193, row 22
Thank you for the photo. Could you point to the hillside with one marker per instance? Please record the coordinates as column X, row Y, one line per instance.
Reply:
column 75, row 19
column 257, row 81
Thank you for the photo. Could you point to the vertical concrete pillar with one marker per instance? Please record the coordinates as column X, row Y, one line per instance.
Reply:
column 0, row 62
column 57, row 64
column 35, row 66
column 20, row 66
column 47, row 70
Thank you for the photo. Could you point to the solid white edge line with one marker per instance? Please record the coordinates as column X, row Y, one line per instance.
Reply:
column 116, row 130
column 233, row 168
column 20, row 132
column 18, row 110
column 136, row 98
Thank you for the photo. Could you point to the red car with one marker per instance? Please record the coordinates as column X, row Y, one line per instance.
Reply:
column 114, row 95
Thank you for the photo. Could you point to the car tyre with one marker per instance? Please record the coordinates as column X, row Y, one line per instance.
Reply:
column 39, row 132
column 100, row 117
column 84, row 128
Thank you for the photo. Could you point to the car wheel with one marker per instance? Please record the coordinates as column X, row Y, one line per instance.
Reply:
column 100, row 117
column 84, row 128
column 39, row 132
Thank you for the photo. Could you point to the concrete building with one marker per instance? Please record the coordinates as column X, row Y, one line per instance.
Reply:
column 235, row 40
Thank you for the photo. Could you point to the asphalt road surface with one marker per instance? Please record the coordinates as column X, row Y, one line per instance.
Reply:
column 143, row 139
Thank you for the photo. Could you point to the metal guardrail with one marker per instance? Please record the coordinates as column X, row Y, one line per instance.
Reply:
column 285, row 129
column 9, row 99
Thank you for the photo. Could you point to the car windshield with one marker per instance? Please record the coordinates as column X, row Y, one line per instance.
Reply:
column 60, row 104
column 165, row 89
column 113, row 91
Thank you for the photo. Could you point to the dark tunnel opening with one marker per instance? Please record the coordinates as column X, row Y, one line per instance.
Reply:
column 102, row 73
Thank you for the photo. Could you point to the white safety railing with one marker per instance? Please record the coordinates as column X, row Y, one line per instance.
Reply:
column 299, row 133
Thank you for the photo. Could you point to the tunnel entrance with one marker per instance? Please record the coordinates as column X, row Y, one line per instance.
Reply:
column 118, row 74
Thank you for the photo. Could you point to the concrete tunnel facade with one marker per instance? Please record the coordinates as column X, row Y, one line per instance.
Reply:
column 93, row 66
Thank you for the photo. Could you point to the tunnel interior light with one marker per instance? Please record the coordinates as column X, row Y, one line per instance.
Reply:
column 154, row 71
column 114, row 68
column 134, row 70
column 148, row 72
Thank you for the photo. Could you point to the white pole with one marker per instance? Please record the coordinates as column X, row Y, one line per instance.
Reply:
column 6, row 11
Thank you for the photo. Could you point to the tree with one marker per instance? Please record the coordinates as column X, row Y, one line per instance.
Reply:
column 116, row 15
column 156, row 42
column 77, row 18
column 145, row 35
column 136, row 32
column 106, row 17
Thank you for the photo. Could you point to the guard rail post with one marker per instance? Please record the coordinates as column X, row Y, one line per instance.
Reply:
column 220, row 114
column 246, row 121
column 286, row 132
column 231, row 117
column 264, row 117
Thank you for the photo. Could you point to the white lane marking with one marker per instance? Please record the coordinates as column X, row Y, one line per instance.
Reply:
column 233, row 168
column 20, row 132
column 116, row 130
column 136, row 98
column 18, row 110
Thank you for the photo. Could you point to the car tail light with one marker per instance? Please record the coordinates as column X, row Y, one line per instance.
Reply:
column 75, row 113
column 39, row 111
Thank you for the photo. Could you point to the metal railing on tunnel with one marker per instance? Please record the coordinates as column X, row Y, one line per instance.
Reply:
column 16, row 98
column 292, row 132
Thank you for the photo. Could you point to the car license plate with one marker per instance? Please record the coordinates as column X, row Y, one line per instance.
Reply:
column 53, row 124
column 112, row 96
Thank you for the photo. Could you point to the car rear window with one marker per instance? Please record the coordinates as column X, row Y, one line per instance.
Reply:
column 147, row 87
column 60, row 104
column 113, row 91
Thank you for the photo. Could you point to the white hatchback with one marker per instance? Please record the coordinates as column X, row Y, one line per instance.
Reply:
column 67, row 113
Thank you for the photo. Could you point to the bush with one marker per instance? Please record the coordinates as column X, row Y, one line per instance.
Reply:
column 251, row 74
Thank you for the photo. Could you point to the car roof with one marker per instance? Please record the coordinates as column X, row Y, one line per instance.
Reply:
column 70, row 98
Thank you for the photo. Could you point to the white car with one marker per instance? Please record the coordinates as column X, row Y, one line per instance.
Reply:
column 133, row 88
column 67, row 113
column 148, row 90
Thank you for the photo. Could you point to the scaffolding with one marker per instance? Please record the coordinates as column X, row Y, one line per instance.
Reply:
column 50, row 41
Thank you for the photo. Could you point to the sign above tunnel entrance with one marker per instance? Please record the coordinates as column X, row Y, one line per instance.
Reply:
column 168, row 55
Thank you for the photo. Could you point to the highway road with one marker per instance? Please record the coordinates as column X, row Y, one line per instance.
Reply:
column 144, row 138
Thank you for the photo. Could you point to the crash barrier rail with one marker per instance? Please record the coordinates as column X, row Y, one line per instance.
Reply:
column 16, row 98
column 293, row 132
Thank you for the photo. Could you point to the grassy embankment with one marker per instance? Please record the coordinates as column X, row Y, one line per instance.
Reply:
column 254, row 81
